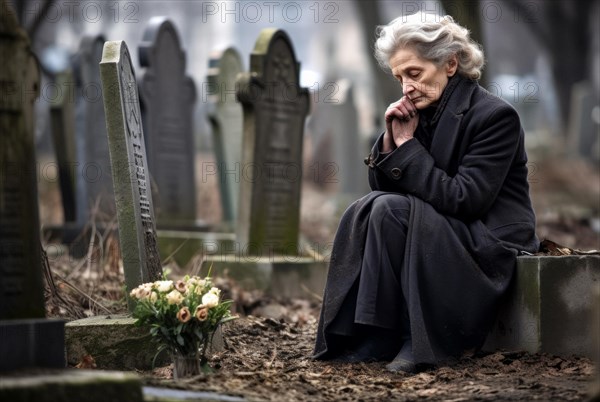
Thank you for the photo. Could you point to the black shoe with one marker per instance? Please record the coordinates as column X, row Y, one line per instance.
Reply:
column 369, row 350
column 379, row 344
column 404, row 360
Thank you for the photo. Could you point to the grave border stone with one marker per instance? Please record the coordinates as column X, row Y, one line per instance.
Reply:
column 547, row 305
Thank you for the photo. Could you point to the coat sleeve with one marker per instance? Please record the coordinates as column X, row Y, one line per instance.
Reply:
column 410, row 169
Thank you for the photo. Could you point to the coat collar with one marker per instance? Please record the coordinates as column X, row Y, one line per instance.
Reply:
column 447, row 133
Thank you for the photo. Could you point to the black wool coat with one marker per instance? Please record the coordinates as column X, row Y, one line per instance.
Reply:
column 470, row 217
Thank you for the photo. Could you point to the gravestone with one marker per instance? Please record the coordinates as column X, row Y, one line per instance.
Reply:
column 26, row 338
column 583, row 130
column 275, row 107
column 226, row 118
column 63, row 136
column 137, row 231
column 338, row 148
column 168, row 96
column 93, row 179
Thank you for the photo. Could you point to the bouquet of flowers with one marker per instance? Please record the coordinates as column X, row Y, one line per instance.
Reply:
column 183, row 315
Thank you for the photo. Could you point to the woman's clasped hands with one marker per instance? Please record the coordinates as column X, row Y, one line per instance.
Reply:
column 401, row 120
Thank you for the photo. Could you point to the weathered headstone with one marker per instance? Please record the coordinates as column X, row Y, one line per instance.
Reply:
column 93, row 179
column 168, row 96
column 62, row 124
column 137, row 231
column 338, row 148
column 26, row 338
column 583, row 130
column 226, row 119
column 275, row 107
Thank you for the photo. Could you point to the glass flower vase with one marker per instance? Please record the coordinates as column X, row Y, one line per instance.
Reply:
column 185, row 366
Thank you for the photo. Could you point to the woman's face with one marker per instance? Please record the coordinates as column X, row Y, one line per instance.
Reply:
column 422, row 81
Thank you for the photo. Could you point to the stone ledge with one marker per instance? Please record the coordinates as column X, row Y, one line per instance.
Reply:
column 72, row 386
column 278, row 276
column 116, row 343
column 550, row 307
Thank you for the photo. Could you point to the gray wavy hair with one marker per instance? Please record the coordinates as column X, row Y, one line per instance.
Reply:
column 435, row 38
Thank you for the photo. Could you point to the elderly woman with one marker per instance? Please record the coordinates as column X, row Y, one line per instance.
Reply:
column 420, row 263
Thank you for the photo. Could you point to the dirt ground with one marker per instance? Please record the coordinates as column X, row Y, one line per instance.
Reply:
column 267, row 358
column 267, row 350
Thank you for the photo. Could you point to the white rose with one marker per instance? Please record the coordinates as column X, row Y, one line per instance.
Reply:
column 153, row 297
column 216, row 291
column 210, row 300
column 164, row 286
column 174, row 297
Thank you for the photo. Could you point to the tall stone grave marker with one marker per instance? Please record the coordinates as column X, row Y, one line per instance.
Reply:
column 137, row 231
column 583, row 130
column 93, row 179
column 226, row 119
column 168, row 96
column 275, row 107
column 63, row 135
column 26, row 338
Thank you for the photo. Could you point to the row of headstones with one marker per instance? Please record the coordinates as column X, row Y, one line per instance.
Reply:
column 274, row 111
column 275, row 107
column 80, row 140
column 167, row 98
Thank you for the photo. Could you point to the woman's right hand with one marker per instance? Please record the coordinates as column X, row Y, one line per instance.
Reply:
column 400, row 131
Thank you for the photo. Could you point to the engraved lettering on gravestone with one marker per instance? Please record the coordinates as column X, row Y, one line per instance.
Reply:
column 137, row 232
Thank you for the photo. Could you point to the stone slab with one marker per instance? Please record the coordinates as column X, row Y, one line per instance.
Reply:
column 155, row 394
column 30, row 343
column 548, row 307
column 116, row 343
column 285, row 277
column 72, row 386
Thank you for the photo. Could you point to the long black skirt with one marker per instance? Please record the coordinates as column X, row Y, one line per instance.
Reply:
column 398, row 264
